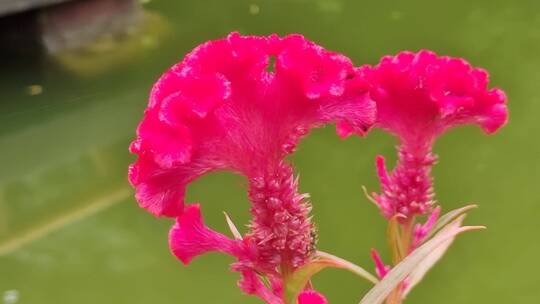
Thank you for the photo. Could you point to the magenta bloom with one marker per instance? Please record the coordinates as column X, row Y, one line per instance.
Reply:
column 419, row 96
column 311, row 297
column 227, row 107
column 380, row 268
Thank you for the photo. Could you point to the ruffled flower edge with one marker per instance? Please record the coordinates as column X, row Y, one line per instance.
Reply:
column 420, row 95
column 192, row 107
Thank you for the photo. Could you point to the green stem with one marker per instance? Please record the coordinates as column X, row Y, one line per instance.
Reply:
column 404, row 235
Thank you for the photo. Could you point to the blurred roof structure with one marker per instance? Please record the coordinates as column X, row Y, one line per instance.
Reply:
column 8, row 7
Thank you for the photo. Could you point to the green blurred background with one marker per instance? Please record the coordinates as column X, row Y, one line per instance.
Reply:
column 71, row 232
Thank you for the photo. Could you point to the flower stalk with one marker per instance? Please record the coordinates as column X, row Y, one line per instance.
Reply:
column 404, row 235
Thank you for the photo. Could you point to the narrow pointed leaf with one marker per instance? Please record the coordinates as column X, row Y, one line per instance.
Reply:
column 342, row 263
column 379, row 293
column 449, row 217
column 297, row 281
column 232, row 227
column 417, row 275
column 369, row 197
column 429, row 261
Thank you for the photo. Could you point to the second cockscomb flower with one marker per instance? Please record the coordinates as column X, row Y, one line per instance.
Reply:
column 419, row 96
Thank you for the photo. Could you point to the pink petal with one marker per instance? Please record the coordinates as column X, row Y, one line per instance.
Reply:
column 251, row 284
column 157, row 190
column 190, row 237
column 382, row 172
column 311, row 297
column 422, row 230
column 380, row 268
column 170, row 146
column 319, row 72
column 386, row 205
column 196, row 96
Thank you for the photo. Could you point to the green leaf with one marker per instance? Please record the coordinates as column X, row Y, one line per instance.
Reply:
column 344, row 264
column 393, row 236
column 411, row 263
column 297, row 281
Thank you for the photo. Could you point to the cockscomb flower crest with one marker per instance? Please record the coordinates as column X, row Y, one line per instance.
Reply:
column 419, row 96
column 226, row 106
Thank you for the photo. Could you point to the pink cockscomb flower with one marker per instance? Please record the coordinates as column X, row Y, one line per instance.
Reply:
column 227, row 106
column 419, row 96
